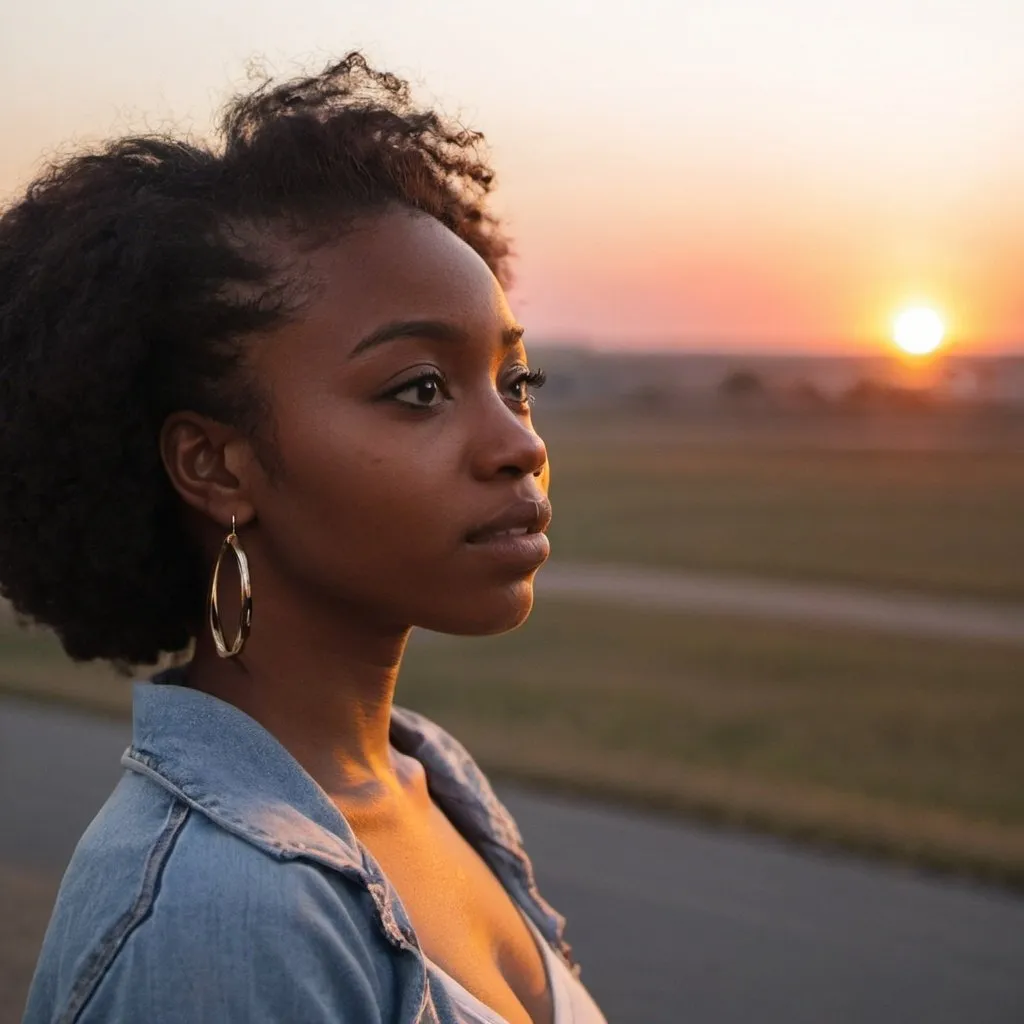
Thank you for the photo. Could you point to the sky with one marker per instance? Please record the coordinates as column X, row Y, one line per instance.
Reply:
column 703, row 175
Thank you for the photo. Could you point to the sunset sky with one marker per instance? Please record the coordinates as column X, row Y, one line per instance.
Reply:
column 708, row 175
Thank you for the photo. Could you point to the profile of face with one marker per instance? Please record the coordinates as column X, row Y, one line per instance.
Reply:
column 412, row 487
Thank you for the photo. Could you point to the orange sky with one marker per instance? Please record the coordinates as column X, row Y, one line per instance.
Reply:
column 720, row 174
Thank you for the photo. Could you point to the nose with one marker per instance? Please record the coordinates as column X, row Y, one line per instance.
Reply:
column 505, row 444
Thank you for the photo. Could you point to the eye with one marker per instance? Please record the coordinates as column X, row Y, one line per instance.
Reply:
column 520, row 385
column 425, row 392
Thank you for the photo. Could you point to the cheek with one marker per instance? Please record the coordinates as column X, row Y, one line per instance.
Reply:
column 360, row 493
column 380, row 521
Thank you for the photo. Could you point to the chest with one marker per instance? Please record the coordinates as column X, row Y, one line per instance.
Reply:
column 464, row 919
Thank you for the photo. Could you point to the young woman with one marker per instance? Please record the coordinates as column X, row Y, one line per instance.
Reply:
column 264, row 408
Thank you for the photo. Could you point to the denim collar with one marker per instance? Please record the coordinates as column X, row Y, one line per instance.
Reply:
column 226, row 765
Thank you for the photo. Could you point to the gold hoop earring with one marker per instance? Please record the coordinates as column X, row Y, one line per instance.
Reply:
column 245, row 614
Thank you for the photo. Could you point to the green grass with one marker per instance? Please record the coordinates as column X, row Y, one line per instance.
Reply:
column 947, row 523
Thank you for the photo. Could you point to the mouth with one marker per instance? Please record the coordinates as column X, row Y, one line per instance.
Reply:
column 523, row 518
column 519, row 531
column 515, row 537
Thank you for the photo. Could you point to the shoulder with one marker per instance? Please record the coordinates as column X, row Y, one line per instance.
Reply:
column 178, row 920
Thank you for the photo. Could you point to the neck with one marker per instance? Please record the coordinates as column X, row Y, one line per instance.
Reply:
column 322, row 682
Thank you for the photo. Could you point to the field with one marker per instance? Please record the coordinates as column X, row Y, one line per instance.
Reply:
column 893, row 744
column 941, row 521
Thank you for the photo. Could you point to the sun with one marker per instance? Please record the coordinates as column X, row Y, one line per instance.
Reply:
column 918, row 330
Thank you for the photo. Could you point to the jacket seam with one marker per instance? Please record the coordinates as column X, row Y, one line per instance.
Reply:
column 102, row 958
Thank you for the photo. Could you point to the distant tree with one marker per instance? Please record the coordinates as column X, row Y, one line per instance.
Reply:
column 742, row 384
column 868, row 394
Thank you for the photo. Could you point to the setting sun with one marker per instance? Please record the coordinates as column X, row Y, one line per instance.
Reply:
column 918, row 331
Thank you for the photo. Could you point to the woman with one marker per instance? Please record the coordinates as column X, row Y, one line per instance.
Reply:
column 290, row 362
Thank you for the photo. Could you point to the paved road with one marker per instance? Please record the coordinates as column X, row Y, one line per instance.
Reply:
column 905, row 614
column 672, row 923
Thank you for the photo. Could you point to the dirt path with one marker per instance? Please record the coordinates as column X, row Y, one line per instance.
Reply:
column 909, row 615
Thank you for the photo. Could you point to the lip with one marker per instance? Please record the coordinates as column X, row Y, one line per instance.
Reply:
column 527, row 547
column 527, row 516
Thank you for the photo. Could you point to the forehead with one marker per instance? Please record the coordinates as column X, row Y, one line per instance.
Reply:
column 402, row 265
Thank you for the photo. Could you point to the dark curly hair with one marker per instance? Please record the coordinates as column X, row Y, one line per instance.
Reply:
column 129, row 279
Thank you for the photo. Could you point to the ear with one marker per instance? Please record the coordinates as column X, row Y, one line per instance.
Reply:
column 210, row 465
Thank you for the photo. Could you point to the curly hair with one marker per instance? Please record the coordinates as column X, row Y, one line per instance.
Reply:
column 130, row 278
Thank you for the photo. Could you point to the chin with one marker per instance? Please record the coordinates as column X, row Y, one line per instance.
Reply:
column 484, row 614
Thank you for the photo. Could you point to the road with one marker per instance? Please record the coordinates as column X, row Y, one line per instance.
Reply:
column 826, row 604
column 672, row 923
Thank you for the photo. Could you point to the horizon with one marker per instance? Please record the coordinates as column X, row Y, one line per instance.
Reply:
column 735, row 348
column 720, row 174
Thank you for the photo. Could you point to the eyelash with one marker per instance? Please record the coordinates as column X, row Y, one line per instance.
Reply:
column 531, row 378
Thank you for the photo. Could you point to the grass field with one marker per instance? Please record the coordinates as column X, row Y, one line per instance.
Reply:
column 944, row 522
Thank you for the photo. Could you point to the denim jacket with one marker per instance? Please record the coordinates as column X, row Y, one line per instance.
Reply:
column 219, row 883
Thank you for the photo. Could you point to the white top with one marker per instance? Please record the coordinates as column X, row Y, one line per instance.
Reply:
column 572, row 1002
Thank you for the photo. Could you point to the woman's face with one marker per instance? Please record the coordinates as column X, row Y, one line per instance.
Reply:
column 405, row 442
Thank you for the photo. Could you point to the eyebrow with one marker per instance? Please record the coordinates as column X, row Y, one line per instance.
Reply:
column 434, row 330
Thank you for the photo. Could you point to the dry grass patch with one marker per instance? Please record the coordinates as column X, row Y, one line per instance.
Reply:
column 939, row 522
column 33, row 664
